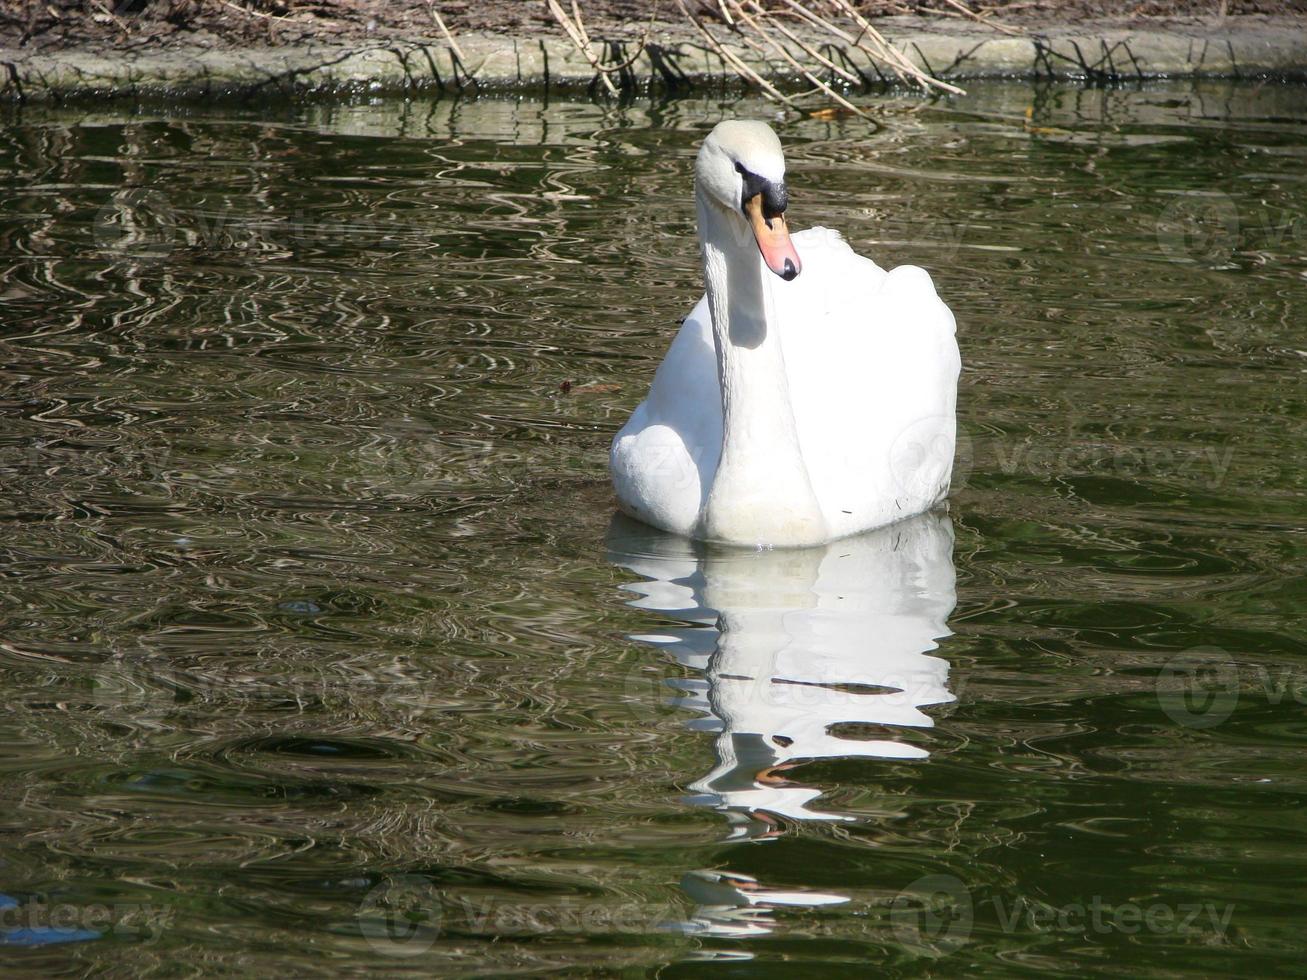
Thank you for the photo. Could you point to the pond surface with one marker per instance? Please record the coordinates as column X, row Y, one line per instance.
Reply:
column 322, row 652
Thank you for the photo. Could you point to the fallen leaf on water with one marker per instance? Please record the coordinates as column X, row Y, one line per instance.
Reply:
column 1042, row 130
column 830, row 112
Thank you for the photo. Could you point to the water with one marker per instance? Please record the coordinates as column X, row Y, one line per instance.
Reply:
column 322, row 651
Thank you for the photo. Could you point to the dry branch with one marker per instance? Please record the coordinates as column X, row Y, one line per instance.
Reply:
column 574, row 27
column 779, row 48
column 881, row 50
column 758, row 27
column 250, row 12
column 968, row 12
column 739, row 66
column 811, row 52
column 576, row 33
column 449, row 38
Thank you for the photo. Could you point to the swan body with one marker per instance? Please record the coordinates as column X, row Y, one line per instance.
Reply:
column 797, row 407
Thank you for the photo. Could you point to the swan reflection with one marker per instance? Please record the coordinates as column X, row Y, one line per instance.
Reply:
column 794, row 647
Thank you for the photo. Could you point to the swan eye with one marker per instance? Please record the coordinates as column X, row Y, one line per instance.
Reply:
column 775, row 196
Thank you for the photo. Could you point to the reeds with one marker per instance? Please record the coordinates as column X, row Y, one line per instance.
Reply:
column 815, row 40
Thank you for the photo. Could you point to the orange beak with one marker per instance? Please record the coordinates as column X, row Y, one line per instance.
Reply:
column 773, row 239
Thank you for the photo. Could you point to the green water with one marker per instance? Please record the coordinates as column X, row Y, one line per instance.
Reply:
column 323, row 655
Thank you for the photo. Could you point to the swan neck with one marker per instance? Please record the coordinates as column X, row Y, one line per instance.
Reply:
column 761, row 492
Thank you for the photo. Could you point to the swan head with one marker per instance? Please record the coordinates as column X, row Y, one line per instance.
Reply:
column 741, row 170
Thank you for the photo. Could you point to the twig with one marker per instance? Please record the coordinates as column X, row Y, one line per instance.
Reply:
column 460, row 59
column 740, row 67
column 889, row 53
column 619, row 68
column 848, row 76
column 112, row 17
column 639, row 46
column 576, row 32
column 780, row 49
column 968, row 12
column 806, row 14
column 251, row 13
column 580, row 24
column 440, row 22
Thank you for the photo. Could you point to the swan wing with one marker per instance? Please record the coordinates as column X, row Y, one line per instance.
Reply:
column 872, row 361
column 664, row 458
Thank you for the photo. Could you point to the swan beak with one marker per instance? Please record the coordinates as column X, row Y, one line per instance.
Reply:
column 773, row 239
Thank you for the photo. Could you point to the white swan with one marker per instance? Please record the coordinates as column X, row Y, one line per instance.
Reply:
column 796, row 408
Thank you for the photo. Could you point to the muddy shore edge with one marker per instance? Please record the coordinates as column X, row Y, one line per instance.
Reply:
column 674, row 59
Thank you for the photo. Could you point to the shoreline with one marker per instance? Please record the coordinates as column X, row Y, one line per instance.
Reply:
column 675, row 59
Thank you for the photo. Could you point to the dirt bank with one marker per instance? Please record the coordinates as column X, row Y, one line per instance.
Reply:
column 45, row 25
column 113, row 47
